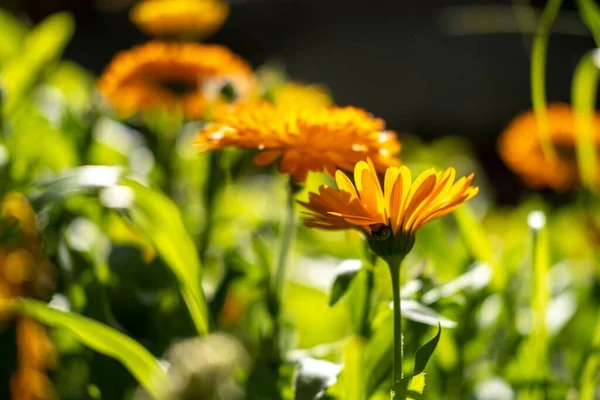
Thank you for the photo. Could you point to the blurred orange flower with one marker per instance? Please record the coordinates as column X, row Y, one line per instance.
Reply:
column 520, row 148
column 305, row 139
column 163, row 75
column 196, row 18
column 395, row 212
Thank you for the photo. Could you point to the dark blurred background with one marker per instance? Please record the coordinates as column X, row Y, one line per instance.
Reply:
column 432, row 68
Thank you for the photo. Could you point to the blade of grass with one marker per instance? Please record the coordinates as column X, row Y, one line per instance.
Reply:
column 158, row 218
column 539, row 51
column 590, row 13
column 103, row 339
column 583, row 96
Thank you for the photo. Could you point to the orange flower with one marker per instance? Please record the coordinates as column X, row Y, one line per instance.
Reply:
column 520, row 148
column 139, row 79
column 390, row 216
column 327, row 138
column 180, row 17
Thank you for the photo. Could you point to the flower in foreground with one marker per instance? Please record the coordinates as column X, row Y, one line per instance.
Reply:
column 163, row 75
column 520, row 148
column 306, row 139
column 179, row 17
column 390, row 216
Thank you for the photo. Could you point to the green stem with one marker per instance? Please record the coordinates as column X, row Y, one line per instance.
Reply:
column 276, row 290
column 394, row 264
column 286, row 241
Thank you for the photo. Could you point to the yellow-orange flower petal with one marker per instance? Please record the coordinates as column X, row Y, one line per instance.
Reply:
column 520, row 148
column 196, row 18
column 325, row 139
column 403, row 206
column 142, row 78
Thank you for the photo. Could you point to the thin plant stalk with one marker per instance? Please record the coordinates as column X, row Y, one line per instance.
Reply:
column 394, row 264
column 287, row 239
column 277, row 289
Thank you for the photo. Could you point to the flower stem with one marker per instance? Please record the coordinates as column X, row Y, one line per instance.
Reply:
column 276, row 291
column 394, row 264
column 286, row 241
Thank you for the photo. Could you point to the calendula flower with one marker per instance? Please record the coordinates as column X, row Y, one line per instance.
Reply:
column 520, row 148
column 306, row 139
column 197, row 18
column 162, row 75
column 391, row 215
column 292, row 94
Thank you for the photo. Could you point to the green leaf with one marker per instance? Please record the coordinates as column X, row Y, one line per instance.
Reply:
column 12, row 32
column 413, row 389
column 313, row 377
column 103, row 339
column 159, row 219
column 425, row 352
column 583, row 94
column 590, row 13
column 344, row 275
column 539, row 52
column 44, row 44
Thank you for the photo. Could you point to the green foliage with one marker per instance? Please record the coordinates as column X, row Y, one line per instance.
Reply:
column 105, row 340
column 160, row 221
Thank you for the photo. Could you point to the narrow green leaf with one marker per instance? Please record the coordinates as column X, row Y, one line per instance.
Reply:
column 583, row 94
column 425, row 352
column 590, row 13
column 159, row 219
column 42, row 45
column 539, row 52
column 103, row 339
column 377, row 360
column 344, row 275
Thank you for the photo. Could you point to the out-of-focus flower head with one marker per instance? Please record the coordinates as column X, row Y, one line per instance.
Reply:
column 306, row 139
column 390, row 216
column 163, row 75
column 520, row 148
column 188, row 18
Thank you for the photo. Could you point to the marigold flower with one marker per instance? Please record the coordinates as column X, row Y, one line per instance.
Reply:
column 179, row 17
column 327, row 139
column 142, row 78
column 520, row 148
column 390, row 216
column 292, row 94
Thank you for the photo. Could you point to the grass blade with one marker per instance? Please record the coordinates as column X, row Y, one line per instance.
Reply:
column 539, row 52
column 158, row 218
column 103, row 339
column 583, row 94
